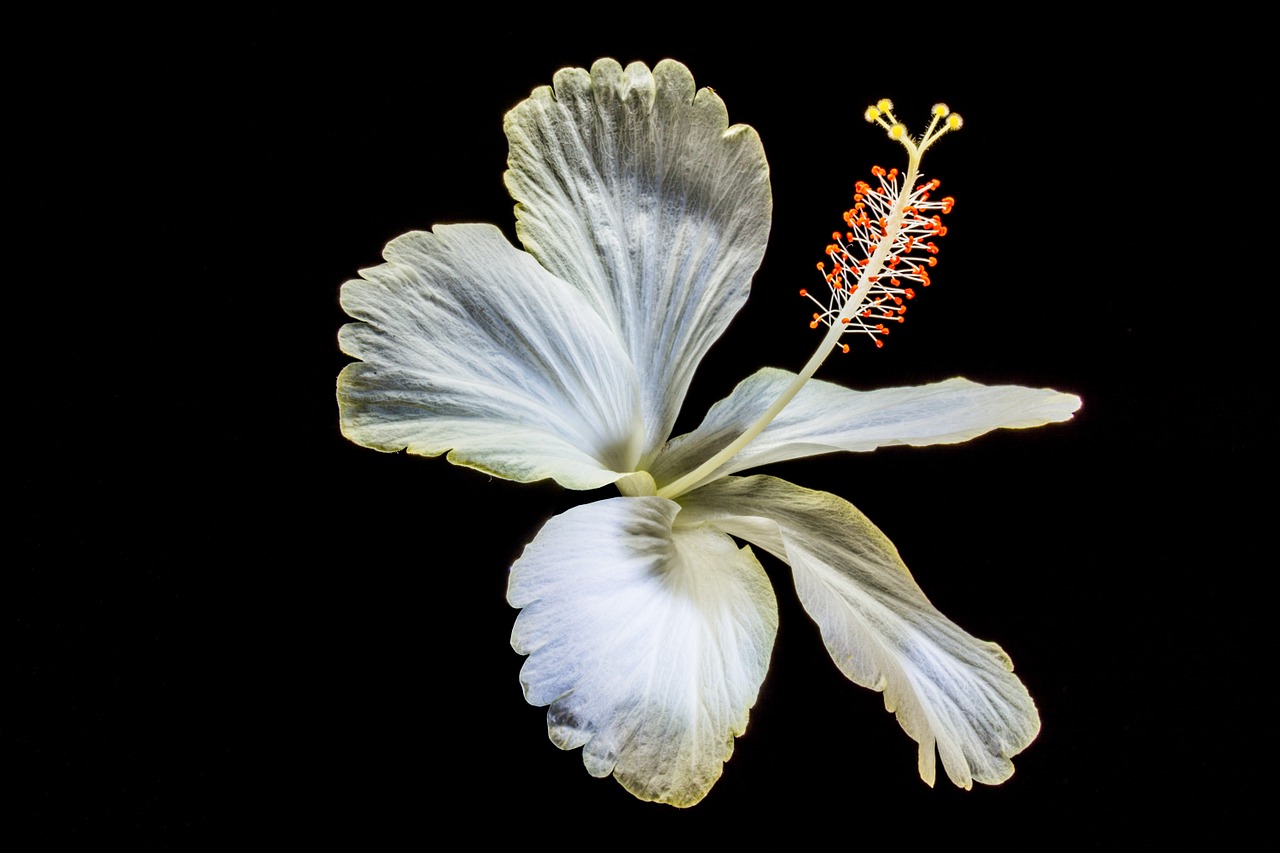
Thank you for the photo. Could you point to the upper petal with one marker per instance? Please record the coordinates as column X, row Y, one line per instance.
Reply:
column 648, row 642
column 468, row 344
column 947, row 687
column 635, row 189
column 825, row 417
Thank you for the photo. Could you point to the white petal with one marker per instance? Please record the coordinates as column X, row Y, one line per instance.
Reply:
column 947, row 687
column 636, row 190
column 469, row 345
column 649, row 643
column 825, row 417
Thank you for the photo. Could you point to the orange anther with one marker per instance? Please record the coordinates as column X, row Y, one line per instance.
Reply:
column 804, row 292
column 879, row 344
column 851, row 252
column 822, row 265
column 844, row 348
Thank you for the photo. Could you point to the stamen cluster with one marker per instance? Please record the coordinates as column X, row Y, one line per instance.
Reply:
column 911, row 254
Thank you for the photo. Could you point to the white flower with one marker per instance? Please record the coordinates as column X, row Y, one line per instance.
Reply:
column 644, row 216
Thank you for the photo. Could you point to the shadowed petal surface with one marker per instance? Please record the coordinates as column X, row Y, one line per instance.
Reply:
column 825, row 417
column 947, row 688
column 469, row 345
column 635, row 189
column 649, row 643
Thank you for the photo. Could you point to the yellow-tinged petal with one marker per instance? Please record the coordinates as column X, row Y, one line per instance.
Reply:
column 648, row 640
column 825, row 417
column 949, row 690
column 633, row 187
column 469, row 346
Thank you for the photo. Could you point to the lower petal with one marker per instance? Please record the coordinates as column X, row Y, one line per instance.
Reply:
column 649, row 642
column 948, row 688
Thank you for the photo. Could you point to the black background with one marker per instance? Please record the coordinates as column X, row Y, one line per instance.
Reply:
column 234, row 624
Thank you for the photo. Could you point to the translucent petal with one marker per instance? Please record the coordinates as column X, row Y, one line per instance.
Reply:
column 947, row 688
column 637, row 191
column 825, row 417
column 469, row 345
column 649, row 643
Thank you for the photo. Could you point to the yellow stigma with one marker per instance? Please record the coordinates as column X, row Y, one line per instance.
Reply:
column 941, row 121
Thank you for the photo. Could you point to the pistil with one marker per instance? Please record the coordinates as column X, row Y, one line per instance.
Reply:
column 854, row 309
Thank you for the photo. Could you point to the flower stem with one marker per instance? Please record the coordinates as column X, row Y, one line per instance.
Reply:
column 850, row 308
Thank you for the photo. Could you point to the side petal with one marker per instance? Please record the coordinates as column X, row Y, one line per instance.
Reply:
column 947, row 688
column 635, row 189
column 825, row 417
column 469, row 345
column 649, row 643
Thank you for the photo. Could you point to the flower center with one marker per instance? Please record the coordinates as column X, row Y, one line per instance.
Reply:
column 637, row 484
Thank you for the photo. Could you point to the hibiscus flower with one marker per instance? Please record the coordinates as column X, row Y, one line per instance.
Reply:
column 648, row 629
